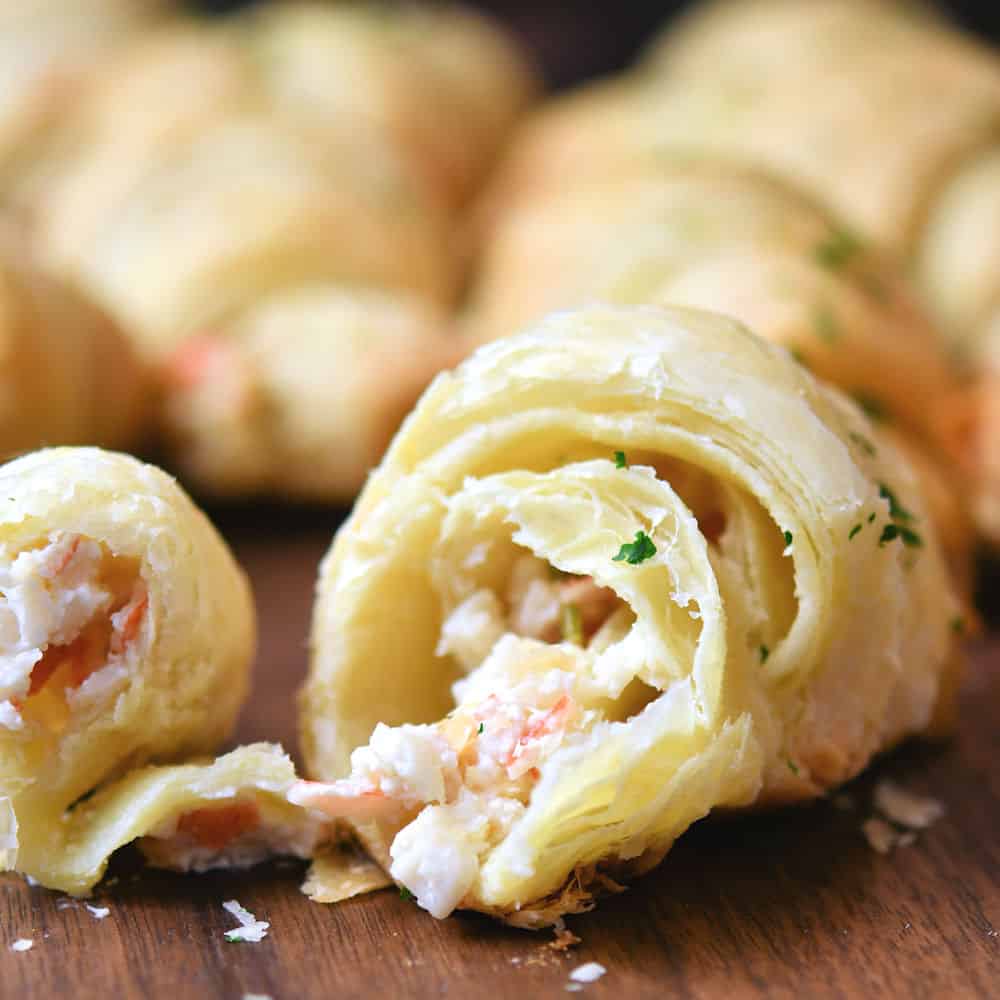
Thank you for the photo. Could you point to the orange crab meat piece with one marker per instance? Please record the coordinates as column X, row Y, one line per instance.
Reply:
column 216, row 828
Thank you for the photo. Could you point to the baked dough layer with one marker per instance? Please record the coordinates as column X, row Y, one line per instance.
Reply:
column 127, row 638
column 793, row 618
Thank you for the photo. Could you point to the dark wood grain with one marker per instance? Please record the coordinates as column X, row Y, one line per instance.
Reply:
column 790, row 904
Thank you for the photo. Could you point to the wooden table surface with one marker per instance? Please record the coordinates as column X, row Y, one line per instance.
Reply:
column 789, row 904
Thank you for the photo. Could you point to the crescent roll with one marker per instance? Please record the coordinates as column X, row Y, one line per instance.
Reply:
column 253, row 206
column 127, row 632
column 443, row 85
column 706, row 235
column 614, row 572
column 300, row 396
column 48, row 51
column 68, row 375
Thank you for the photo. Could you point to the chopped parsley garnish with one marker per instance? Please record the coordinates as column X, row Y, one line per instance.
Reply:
column 792, row 766
column 873, row 408
column 764, row 653
column 571, row 624
column 896, row 510
column 893, row 531
column 481, row 728
column 838, row 249
column 863, row 443
column 405, row 893
column 825, row 323
column 853, row 532
column 636, row 552
column 621, row 462
column 871, row 517
column 788, row 538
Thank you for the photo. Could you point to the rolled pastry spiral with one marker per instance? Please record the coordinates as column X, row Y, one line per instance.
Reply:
column 614, row 572
column 68, row 374
column 127, row 634
column 705, row 234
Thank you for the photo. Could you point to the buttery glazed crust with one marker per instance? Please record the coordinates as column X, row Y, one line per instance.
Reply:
column 187, row 669
column 68, row 375
column 300, row 397
column 515, row 446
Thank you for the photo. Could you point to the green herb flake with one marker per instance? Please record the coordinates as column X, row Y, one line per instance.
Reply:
column 838, row 249
column 871, row 517
column 853, row 532
column 788, row 538
column 636, row 552
column 825, row 324
column 764, row 653
column 908, row 536
column 896, row 510
column 792, row 766
column 405, row 893
column 863, row 443
column 621, row 462
column 481, row 728
column 571, row 624
column 874, row 409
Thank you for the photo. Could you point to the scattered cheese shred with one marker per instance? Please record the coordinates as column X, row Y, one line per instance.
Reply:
column 590, row 972
column 99, row 912
column 906, row 809
column 879, row 834
column 22, row 944
column 251, row 929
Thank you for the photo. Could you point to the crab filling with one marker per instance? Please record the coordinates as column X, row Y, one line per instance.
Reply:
column 69, row 612
column 235, row 834
column 450, row 792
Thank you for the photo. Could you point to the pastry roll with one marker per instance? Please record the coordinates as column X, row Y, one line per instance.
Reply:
column 300, row 396
column 127, row 632
column 48, row 50
column 110, row 139
column 710, row 236
column 68, row 374
column 442, row 85
column 615, row 572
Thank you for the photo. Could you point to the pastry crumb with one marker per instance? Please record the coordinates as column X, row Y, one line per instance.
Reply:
column 879, row 834
column 564, row 938
column 916, row 812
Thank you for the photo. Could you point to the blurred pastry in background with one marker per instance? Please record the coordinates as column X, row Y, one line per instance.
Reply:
column 48, row 50
column 68, row 375
column 299, row 397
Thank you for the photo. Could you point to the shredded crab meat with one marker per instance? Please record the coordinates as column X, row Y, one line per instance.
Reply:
column 235, row 834
column 454, row 789
column 69, row 612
